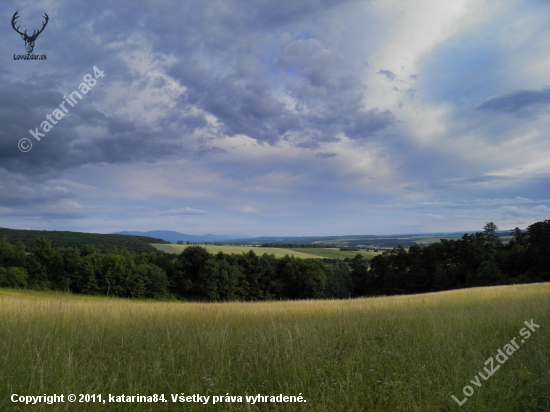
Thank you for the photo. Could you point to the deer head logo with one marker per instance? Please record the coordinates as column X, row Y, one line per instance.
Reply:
column 29, row 40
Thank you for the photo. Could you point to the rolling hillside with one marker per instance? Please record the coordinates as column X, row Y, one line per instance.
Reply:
column 65, row 239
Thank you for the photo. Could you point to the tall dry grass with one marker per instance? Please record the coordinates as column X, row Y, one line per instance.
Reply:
column 407, row 353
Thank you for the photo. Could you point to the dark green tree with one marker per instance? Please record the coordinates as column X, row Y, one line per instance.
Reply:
column 339, row 281
column 360, row 276
column 518, row 236
column 156, row 283
column 441, row 279
column 189, row 270
column 488, row 274
column 491, row 236
column 38, row 276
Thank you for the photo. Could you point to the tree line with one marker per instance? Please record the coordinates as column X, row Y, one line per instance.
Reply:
column 194, row 274
column 479, row 259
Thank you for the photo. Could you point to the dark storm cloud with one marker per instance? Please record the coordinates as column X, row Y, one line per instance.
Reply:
column 365, row 124
column 329, row 94
column 229, row 28
column 127, row 147
column 117, row 125
column 245, row 91
column 24, row 106
column 80, row 36
column 259, row 68
column 243, row 107
column 519, row 102
column 25, row 103
column 182, row 76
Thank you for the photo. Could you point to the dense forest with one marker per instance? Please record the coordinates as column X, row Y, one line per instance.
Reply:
column 479, row 259
column 137, row 244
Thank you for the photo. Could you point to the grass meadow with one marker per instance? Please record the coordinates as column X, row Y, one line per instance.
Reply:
column 405, row 353
column 304, row 253
column 336, row 253
column 278, row 252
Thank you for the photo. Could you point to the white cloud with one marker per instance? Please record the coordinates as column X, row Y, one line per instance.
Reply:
column 537, row 211
column 542, row 210
column 184, row 211
column 435, row 217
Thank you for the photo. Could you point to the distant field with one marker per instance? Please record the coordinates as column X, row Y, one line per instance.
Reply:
column 335, row 253
column 279, row 252
column 305, row 253
column 403, row 353
column 433, row 239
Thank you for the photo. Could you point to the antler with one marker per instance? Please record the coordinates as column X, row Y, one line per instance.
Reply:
column 15, row 17
column 34, row 36
column 34, row 33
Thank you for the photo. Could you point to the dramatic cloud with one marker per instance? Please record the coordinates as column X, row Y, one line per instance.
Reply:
column 315, row 117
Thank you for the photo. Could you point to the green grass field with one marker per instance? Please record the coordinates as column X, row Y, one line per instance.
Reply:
column 335, row 253
column 406, row 353
column 305, row 253
column 278, row 252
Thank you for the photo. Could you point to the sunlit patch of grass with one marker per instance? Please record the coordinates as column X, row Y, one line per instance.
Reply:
column 276, row 251
column 336, row 253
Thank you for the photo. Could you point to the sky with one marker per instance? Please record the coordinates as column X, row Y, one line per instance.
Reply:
column 276, row 118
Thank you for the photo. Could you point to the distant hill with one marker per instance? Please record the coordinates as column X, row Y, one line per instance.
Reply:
column 172, row 236
column 405, row 240
column 334, row 241
column 137, row 244
column 141, row 241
